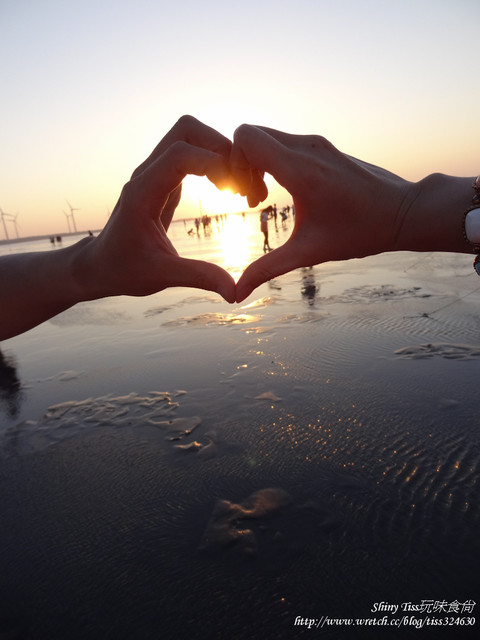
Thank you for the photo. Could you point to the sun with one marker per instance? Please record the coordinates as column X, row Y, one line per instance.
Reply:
column 201, row 197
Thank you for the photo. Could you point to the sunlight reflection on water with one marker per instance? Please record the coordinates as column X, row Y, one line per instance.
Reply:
column 237, row 250
column 231, row 242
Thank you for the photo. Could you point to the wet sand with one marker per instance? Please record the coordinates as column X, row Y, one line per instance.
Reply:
column 179, row 467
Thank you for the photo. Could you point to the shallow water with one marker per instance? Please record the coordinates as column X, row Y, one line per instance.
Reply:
column 137, row 433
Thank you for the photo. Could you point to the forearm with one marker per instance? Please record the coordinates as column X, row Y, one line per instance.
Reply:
column 37, row 286
column 431, row 216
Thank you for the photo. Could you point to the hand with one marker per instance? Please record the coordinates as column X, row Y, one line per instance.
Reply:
column 133, row 255
column 344, row 208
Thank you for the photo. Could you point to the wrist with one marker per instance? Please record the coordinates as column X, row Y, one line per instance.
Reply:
column 85, row 273
column 431, row 217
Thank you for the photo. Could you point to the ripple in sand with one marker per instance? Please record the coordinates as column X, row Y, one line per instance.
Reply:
column 303, row 318
column 95, row 312
column 426, row 484
column 191, row 446
column 226, row 525
column 446, row 350
column 383, row 293
column 151, row 414
column 268, row 395
column 209, row 319
column 155, row 311
column 259, row 331
column 71, row 418
column 261, row 303
column 177, row 427
column 64, row 376
column 447, row 403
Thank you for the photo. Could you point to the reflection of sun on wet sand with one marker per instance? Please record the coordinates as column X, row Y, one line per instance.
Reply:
column 261, row 303
column 208, row 319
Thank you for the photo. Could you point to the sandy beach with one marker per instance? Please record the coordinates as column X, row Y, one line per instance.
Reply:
column 177, row 467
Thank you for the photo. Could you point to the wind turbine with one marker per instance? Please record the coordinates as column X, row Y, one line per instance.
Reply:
column 3, row 215
column 13, row 218
column 68, row 219
column 72, row 216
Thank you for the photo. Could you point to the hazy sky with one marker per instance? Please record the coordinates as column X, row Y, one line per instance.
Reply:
column 88, row 88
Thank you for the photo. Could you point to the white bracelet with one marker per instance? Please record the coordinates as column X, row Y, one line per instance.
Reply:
column 471, row 224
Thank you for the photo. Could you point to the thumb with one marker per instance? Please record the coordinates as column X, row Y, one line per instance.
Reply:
column 269, row 266
column 201, row 275
column 257, row 149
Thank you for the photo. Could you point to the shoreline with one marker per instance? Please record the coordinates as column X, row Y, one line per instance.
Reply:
column 46, row 236
column 69, row 234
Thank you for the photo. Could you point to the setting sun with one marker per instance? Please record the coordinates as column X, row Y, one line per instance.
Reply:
column 203, row 198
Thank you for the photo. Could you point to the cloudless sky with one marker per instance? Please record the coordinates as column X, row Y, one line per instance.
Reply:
column 89, row 87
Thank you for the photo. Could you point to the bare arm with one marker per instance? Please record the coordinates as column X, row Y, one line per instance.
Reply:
column 35, row 287
column 346, row 208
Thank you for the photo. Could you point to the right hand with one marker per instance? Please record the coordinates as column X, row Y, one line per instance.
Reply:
column 344, row 208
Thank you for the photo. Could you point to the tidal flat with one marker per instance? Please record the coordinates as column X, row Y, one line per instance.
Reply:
column 179, row 467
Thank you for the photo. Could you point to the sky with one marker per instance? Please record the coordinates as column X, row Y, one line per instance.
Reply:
column 88, row 88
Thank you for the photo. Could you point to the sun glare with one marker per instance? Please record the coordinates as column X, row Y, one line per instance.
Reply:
column 203, row 198
column 235, row 246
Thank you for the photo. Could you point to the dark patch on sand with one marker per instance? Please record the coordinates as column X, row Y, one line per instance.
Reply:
column 450, row 351
column 227, row 525
column 367, row 294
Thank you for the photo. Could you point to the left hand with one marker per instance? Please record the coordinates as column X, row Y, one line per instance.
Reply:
column 133, row 255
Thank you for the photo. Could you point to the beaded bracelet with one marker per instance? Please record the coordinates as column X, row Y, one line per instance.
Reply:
column 471, row 224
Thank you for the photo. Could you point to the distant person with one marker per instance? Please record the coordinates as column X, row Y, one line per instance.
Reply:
column 264, row 216
column 133, row 254
column 346, row 208
column 206, row 222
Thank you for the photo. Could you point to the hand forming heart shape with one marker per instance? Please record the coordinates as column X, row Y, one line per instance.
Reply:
column 344, row 208
column 135, row 257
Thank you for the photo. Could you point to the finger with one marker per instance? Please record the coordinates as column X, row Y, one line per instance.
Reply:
column 290, row 140
column 148, row 193
column 201, row 275
column 258, row 191
column 269, row 266
column 181, row 159
column 190, row 130
column 254, row 147
column 170, row 206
